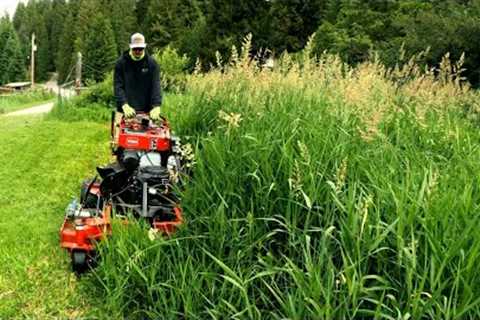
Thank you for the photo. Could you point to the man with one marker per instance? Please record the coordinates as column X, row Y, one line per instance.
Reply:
column 137, row 82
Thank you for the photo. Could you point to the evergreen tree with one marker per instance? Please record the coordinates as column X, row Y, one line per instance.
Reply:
column 44, row 59
column 12, row 66
column 65, row 58
column 168, row 20
column 16, row 67
column 21, row 23
column 87, row 13
column 4, row 60
column 55, row 22
column 229, row 22
column 141, row 12
column 123, row 20
column 100, row 51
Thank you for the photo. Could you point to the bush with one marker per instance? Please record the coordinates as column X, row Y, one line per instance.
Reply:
column 76, row 109
column 100, row 93
column 21, row 100
column 172, row 67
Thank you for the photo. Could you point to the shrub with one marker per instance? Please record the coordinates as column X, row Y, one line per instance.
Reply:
column 172, row 66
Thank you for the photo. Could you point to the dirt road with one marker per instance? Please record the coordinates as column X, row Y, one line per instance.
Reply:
column 44, row 108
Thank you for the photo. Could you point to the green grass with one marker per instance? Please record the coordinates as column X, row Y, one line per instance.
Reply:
column 23, row 100
column 333, row 197
column 294, row 215
column 43, row 163
column 318, row 192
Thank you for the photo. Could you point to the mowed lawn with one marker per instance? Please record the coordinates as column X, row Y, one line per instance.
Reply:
column 42, row 166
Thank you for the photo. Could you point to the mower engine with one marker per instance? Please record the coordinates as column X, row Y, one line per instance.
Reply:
column 149, row 168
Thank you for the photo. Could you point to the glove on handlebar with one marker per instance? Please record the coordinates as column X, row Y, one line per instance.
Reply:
column 155, row 114
column 128, row 111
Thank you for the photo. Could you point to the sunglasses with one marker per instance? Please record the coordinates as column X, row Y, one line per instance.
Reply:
column 138, row 49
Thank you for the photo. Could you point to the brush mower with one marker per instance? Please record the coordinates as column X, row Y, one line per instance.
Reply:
column 141, row 183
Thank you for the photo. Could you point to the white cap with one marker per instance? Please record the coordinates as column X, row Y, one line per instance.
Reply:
column 137, row 41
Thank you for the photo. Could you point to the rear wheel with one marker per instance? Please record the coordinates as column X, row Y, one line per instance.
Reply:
column 82, row 261
column 79, row 262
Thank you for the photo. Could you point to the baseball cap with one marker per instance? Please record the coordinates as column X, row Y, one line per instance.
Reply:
column 137, row 41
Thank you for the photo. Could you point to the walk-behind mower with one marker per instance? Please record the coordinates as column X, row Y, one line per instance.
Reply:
column 141, row 183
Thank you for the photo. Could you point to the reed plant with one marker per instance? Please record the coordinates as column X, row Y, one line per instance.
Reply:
column 319, row 191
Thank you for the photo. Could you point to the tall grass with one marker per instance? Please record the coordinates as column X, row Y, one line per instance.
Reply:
column 319, row 191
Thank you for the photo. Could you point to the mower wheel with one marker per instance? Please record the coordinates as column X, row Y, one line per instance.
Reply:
column 79, row 262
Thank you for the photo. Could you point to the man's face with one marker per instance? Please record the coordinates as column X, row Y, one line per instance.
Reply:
column 137, row 52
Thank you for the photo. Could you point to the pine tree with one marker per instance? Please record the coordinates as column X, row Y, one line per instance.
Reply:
column 55, row 22
column 4, row 61
column 100, row 51
column 65, row 58
column 87, row 13
column 229, row 22
column 123, row 20
column 21, row 23
column 141, row 12
column 16, row 70
column 292, row 22
column 12, row 66
column 44, row 60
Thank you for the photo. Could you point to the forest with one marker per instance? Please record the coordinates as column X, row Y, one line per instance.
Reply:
column 390, row 30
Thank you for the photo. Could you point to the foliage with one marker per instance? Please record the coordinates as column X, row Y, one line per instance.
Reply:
column 351, row 29
column 66, row 56
column 44, row 162
column 77, row 110
column 121, row 14
column 43, row 57
column 96, row 104
column 11, row 59
column 23, row 100
column 172, row 68
column 100, row 49
column 319, row 191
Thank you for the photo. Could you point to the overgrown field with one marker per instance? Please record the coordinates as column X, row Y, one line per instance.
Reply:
column 22, row 100
column 319, row 191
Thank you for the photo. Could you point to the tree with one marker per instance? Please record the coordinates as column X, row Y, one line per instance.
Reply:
column 12, row 65
column 100, row 51
column 65, row 57
column 123, row 19
column 44, row 59
column 55, row 21
column 292, row 22
column 141, row 12
column 358, row 27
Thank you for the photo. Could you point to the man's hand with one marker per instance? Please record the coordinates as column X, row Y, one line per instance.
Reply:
column 128, row 111
column 155, row 114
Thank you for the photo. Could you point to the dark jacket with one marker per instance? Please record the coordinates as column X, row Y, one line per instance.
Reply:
column 137, row 83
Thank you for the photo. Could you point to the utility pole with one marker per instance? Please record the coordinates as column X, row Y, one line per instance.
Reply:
column 32, row 58
column 78, row 73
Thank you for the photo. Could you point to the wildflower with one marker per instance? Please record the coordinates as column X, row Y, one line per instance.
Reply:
column 152, row 234
column 340, row 176
column 232, row 119
column 186, row 152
